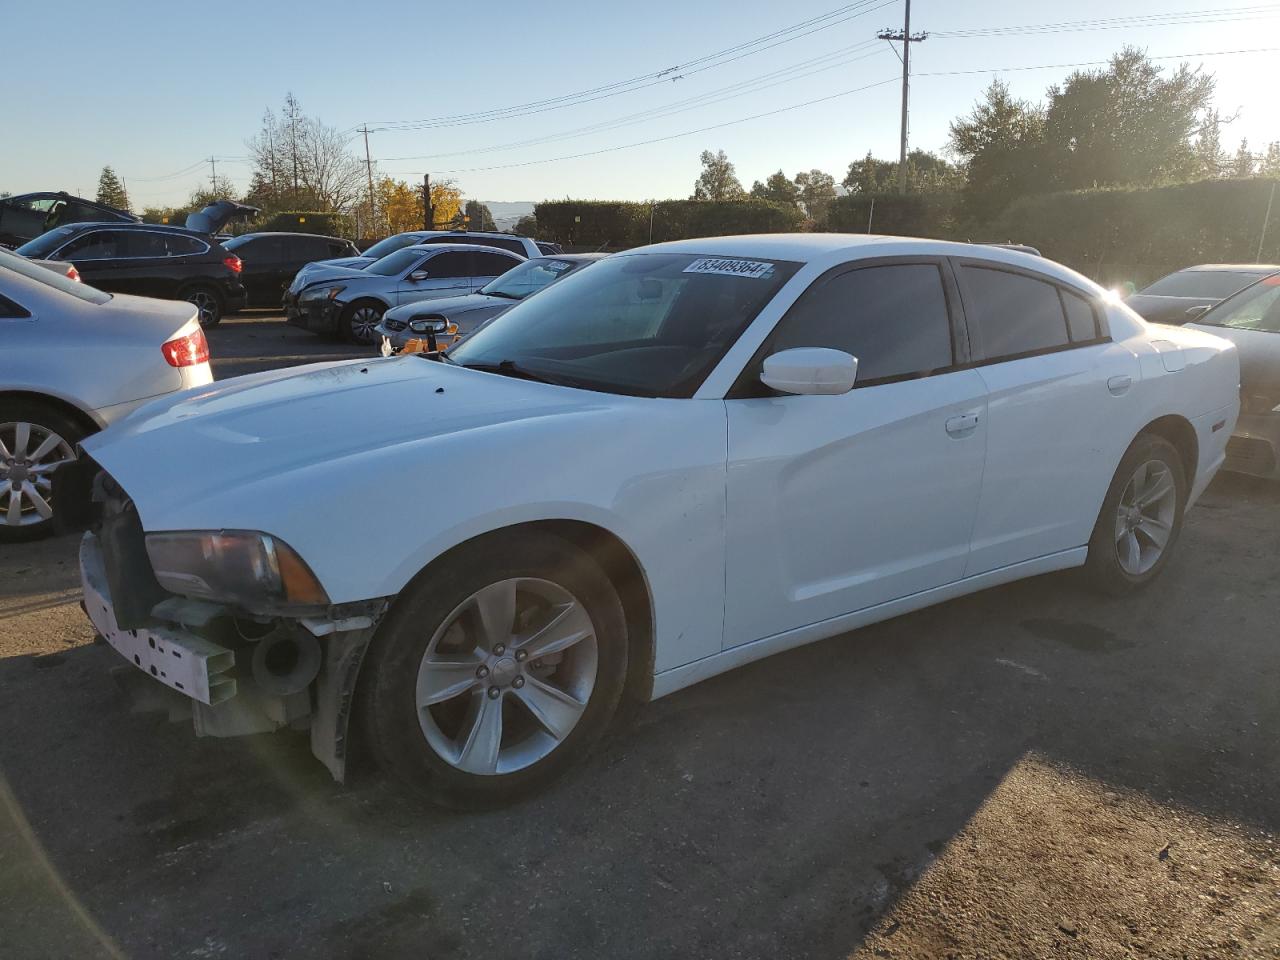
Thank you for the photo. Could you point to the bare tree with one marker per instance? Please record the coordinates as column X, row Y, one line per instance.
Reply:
column 330, row 173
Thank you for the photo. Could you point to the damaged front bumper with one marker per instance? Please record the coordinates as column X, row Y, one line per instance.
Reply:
column 233, row 673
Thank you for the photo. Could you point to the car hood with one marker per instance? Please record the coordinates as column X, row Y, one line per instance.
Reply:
column 313, row 275
column 356, row 263
column 206, row 443
column 451, row 308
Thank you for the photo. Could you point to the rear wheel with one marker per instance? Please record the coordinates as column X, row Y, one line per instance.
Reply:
column 360, row 319
column 208, row 301
column 35, row 439
column 496, row 672
column 1141, row 517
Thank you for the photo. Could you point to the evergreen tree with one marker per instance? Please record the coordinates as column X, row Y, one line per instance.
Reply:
column 111, row 190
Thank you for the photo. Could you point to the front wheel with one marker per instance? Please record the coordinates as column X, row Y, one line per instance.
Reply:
column 1140, row 519
column 360, row 320
column 495, row 672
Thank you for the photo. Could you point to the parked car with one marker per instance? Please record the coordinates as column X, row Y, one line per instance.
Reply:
column 152, row 260
column 271, row 260
column 350, row 302
column 28, row 215
column 503, row 241
column 1186, row 294
column 469, row 311
column 1251, row 320
column 68, row 270
column 73, row 360
column 685, row 458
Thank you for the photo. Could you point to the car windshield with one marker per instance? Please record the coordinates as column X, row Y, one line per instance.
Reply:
column 394, row 264
column 1255, row 308
column 46, row 243
column 51, row 278
column 1210, row 284
column 390, row 245
column 649, row 324
column 518, row 282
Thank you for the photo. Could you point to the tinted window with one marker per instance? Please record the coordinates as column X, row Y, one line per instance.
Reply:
column 179, row 246
column 1082, row 321
column 46, row 243
column 143, row 243
column 394, row 264
column 450, row 264
column 391, row 244
column 1014, row 314
column 490, row 264
column 893, row 318
column 337, row 248
column 95, row 245
column 1210, row 284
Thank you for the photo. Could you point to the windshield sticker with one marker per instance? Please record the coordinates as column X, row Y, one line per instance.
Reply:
column 558, row 266
column 755, row 269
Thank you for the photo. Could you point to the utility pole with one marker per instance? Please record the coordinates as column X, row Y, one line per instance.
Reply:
column 907, row 39
column 271, row 153
column 368, row 165
column 428, row 211
column 213, row 176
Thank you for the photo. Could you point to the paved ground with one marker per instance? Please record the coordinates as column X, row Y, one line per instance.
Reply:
column 1027, row 772
column 260, row 340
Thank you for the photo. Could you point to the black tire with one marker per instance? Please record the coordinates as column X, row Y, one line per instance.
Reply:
column 45, row 417
column 1103, row 567
column 387, row 695
column 351, row 329
column 208, row 300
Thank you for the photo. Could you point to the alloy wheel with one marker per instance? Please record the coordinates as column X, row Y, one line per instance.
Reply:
column 207, row 305
column 507, row 675
column 364, row 320
column 28, row 455
column 1145, row 516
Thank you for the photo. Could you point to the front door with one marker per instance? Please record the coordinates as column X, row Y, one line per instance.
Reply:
column 446, row 274
column 839, row 503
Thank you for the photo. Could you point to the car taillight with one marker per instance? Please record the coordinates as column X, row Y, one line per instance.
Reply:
column 73, row 273
column 233, row 263
column 186, row 351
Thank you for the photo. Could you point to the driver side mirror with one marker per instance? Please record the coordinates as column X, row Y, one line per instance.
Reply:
column 419, row 275
column 810, row 371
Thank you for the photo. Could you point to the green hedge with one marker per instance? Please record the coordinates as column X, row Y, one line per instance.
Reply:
column 1141, row 234
column 307, row 221
column 617, row 225
column 899, row 215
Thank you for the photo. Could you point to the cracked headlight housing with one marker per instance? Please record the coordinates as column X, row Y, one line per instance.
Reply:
column 244, row 568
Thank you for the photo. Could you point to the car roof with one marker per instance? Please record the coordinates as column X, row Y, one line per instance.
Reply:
column 116, row 225
column 287, row 233
column 464, row 247
column 1230, row 268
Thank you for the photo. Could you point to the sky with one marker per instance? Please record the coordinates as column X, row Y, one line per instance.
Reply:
column 153, row 88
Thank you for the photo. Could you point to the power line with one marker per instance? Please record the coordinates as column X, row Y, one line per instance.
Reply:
column 752, row 85
column 1093, row 63
column 673, row 136
column 1190, row 17
column 667, row 75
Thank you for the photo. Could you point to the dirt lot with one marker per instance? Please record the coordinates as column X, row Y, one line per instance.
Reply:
column 1027, row 772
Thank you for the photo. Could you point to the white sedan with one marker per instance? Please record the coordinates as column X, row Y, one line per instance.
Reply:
column 688, row 457
column 72, row 360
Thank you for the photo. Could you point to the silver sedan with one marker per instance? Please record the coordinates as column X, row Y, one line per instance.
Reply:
column 73, row 360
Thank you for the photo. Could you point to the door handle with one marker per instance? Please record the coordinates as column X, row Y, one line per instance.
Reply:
column 962, row 425
column 1119, row 385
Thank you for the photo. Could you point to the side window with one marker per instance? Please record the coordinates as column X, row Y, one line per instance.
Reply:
column 1014, row 314
column 502, row 243
column 140, row 244
column 490, row 264
column 1082, row 320
column 336, row 248
column 94, row 245
column 893, row 318
column 309, row 249
column 450, row 264
column 176, row 245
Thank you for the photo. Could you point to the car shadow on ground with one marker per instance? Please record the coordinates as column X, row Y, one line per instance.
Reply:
column 779, row 810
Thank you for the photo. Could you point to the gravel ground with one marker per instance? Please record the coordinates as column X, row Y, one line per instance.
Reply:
column 1027, row 772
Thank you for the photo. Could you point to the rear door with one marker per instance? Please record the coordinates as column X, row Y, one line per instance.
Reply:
column 262, row 260
column 839, row 503
column 486, row 266
column 1060, row 411
column 445, row 274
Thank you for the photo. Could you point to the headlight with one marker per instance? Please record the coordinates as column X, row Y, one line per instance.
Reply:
column 241, row 567
column 333, row 292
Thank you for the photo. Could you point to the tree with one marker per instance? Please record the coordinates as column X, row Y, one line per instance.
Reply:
column 1269, row 165
column 778, row 188
column 718, row 181
column 220, row 188
column 446, row 200
column 1242, row 165
column 481, row 218
column 399, row 205
column 1129, row 124
column 111, row 190
column 817, row 190
column 1001, row 143
column 926, row 173
column 527, row 226
column 301, row 163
